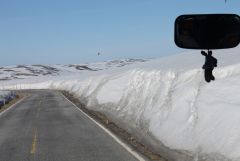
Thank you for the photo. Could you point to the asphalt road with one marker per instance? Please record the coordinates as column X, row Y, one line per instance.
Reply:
column 46, row 127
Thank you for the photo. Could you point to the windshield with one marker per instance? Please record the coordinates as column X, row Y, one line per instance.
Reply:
column 104, row 80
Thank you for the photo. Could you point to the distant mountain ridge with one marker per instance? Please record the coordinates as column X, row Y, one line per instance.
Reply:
column 27, row 71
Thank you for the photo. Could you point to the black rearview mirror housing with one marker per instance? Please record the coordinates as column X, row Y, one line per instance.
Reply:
column 207, row 31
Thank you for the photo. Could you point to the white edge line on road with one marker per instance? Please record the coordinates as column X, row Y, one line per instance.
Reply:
column 130, row 150
column 15, row 104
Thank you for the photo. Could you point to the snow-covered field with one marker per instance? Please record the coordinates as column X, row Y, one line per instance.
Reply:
column 164, row 102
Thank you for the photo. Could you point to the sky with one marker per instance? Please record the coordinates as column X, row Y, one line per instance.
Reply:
column 74, row 31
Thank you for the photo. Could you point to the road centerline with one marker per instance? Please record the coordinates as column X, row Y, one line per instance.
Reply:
column 34, row 143
column 34, row 138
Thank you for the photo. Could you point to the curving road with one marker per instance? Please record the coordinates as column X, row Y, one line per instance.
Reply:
column 46, row 127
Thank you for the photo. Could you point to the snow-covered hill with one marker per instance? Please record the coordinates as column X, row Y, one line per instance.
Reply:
column 164, row 102
column 28, row 71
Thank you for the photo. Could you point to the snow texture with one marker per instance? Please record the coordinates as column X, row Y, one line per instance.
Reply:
column 165, row 102
column 4, row 93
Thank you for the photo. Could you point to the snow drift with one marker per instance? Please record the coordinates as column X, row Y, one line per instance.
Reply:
column 165, row 102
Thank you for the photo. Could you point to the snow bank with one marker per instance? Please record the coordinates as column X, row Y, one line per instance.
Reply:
column 5, row 97
column 5, row 93
column 166, row 103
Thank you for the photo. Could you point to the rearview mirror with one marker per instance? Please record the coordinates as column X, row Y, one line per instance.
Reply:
column 207, row 31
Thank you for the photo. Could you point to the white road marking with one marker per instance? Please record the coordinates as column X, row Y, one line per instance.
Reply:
column 124, row 145
column 15, row 104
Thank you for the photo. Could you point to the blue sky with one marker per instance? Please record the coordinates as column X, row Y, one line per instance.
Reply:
column 74, row 31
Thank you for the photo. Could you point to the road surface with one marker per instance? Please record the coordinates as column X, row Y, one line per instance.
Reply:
column 46, row 127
